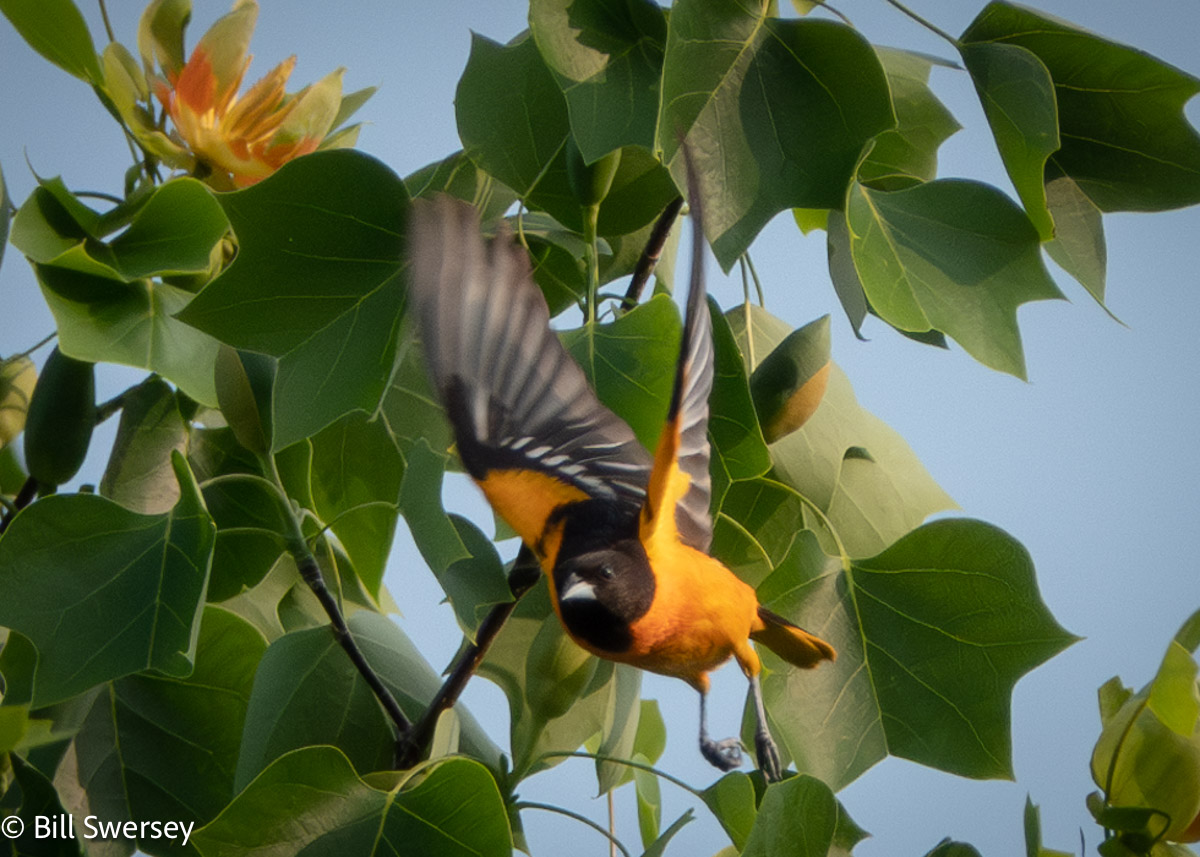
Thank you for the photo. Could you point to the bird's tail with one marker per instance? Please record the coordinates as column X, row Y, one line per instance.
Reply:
column 793, row 644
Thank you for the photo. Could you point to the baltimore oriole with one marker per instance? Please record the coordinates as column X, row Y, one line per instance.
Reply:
column 621, row 537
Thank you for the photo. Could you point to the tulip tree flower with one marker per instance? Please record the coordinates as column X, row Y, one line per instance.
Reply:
column 231, row 140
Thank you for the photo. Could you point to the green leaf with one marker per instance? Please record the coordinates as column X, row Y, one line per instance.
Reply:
column 556, row 701
column 950, row 255
column 755, row 529
column 931, row 634
column 459, row 177
column 659, row 845
column 103, row 592
column 174, row 232
column 870, row 500
column 105, row 321
column 1018, row 99
column 731, row 799
column 788, row 386
column 777, row 113
column 736, row 438
column 306, row 692
column 798, row 816
column 246, row 512
column 320, row 244
column 142, row 731
column 949, row 848
column 410, row 406
column 1033, row 833
column 139, row 475
column 1078, row 246
column 907, row 154
column 32, row 796
column 354, row 478
column 312, row 802
column 631, row 363
column 1125, row 138
column 607, row 58
column 6, row 212
column 621, row 727
column 461, row 557
column 512, row 119
column 57, row 31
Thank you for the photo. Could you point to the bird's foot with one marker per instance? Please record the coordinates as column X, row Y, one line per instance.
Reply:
column 768, row 756
column 725, row 755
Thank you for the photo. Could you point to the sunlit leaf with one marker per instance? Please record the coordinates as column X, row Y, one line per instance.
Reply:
column 1078, row 246
column 931, row 634
column 798, row 816
column 316, row 283
column 776, row 112
column 459, row 177
column 953, row 256
column 103, row 592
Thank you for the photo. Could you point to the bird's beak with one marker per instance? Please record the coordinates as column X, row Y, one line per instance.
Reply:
column 575, row 588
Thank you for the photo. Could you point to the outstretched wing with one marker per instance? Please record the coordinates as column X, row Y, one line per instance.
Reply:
column 529, row 429
column 680, row 481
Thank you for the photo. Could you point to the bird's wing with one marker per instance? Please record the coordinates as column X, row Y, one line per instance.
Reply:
column 680, row 481
column 528, row 427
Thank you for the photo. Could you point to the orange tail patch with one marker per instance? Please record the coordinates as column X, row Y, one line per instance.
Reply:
column 793, row 644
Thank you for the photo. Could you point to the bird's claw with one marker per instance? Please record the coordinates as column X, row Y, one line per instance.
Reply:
column 725, row 755
column 768, row 756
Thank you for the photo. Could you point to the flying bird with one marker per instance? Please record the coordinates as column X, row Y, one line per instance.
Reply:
column 622, row 537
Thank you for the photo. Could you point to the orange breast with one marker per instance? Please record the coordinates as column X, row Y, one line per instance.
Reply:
column 702, row 613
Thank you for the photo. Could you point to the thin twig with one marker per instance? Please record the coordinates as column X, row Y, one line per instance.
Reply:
column 933, row 28
column 45, row 340
column 652, row 252
column 24, row 497
column 107, row 23
column 583, row 819
column 521, row 579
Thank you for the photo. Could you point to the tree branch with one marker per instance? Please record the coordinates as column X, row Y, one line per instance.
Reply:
column 521, row 579
column 650, row 255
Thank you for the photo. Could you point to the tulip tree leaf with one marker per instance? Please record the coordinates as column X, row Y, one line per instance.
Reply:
column 872, row 500
column 312, row 801
column 931, row 634
column 776, row 113
column 354, row 478
column 1018, row 99
column 953, row 256
column 463, row 560
column 736, row 438
column 103, row 592
column 139, row 474
column 316, row 283
column 307, row 692
column 907, row 154
column 558, row 696
column 798, row 816
column 142, row 730
column 1125, row 138
column 512, row 119
column 459, row 177
column 607, row 58
column 1078, row 246
column 57, row 31
column 631, row 363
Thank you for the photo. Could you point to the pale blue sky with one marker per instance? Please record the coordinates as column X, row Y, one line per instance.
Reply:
column 1093, row 464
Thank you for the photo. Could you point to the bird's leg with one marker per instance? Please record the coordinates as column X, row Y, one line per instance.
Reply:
column 726, row 754
column 764, row 744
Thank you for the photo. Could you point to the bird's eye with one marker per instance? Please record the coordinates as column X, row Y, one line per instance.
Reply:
column 606, row 572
